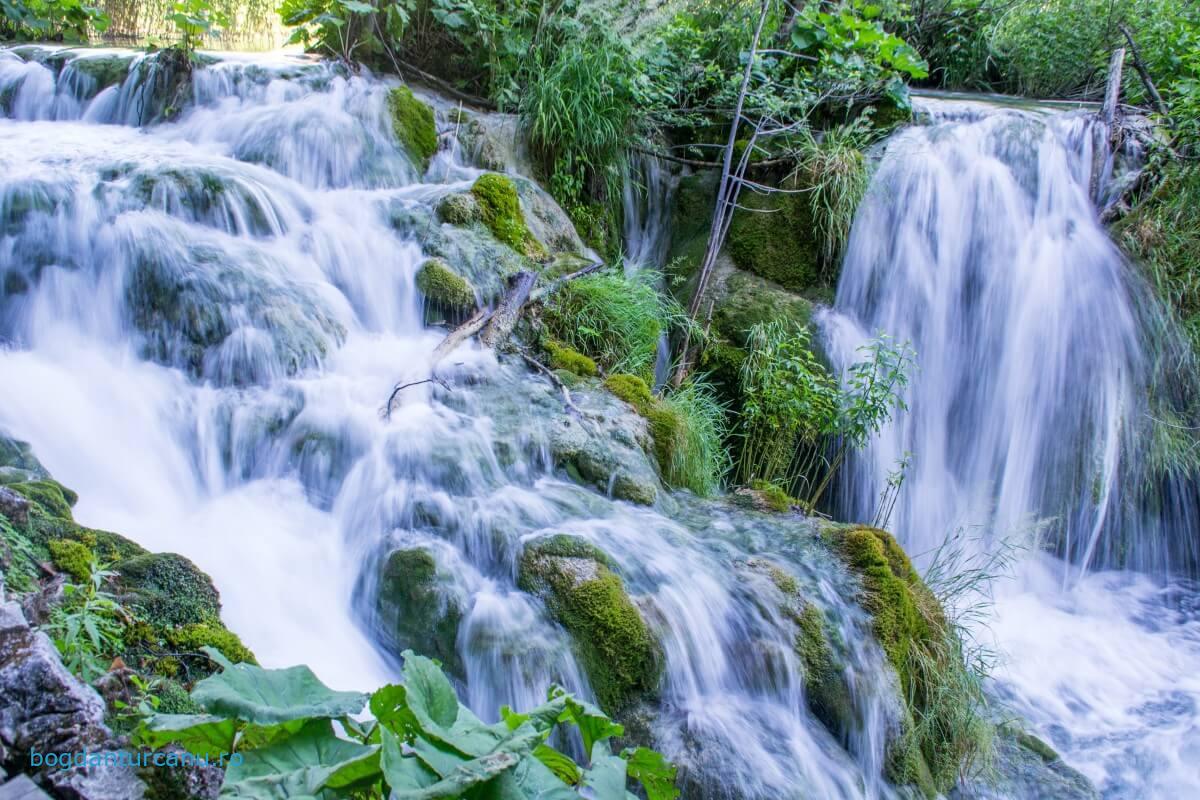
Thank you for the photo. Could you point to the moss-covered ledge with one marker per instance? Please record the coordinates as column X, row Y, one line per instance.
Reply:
column 170, row 608
column 413, row 125
column 622, row 658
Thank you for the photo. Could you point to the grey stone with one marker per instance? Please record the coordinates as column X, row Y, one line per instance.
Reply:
column 22, row 788
column 14, row 506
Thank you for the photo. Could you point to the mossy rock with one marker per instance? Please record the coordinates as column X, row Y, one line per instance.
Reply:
column 615, row 646
column 743, row 300
column 594, row 458
column 774, row 237
column 17, row 462
column 826, row 692
column 905, row 615
column 190, row 638
column 50, row 496
column 445, row 289
column 500, row 208
column 413, row 613
column 632, row 389
column 414, row 125
column 169, row 590
column 563, row 357
column 174, row 699
column 460, row 208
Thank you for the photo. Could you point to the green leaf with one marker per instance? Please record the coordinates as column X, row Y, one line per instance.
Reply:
column 594, row 725
column 356, row 6
column 270, row 696
column 606, row 776
column 199, row 734
column 653, row 771
column 309, row 762
column 562, row 765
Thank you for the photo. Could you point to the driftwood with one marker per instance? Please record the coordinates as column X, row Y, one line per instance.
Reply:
column 504, row 318
column 460, row 334
column 391, row 403
column 1155, row 98
column 1113, row 94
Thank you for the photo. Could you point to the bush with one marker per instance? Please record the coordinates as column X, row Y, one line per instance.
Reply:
column 72, row 557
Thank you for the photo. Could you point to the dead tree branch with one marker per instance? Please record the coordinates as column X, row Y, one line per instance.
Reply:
column 387, row 410
column 1140, row 67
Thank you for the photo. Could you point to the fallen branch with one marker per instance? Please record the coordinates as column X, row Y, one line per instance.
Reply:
column 505, row 317
column 1155, row 98
column 460, row 334
column 557, row 381
column 1115, row 68
column 387, row 410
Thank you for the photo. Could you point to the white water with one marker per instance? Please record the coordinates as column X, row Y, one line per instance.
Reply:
column 979, row 244
column 203, row 319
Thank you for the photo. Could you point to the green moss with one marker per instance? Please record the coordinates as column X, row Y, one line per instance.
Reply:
column 53, row 498
column 500, row 208
column 773, row 236
column 413, row 612
column 826, row 691
column 597, row 226
column 460, row 208
column 745, row 300
column 72, row 557
column 564, row 545
column 174, row 699
column 776, row 498
column 615, row 645
column 443, row 287
column 413, row 124
column 169, row 589
column 191, row 638
column 669, row 429
column 631, row 389
column 563, row 357
column 905, row 616
column 1035, row 745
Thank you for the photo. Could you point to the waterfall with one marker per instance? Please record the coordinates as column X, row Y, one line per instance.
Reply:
column 1028, row 422
column 202, row 319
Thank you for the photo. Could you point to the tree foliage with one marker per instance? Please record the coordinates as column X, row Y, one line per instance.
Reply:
column 51, row 20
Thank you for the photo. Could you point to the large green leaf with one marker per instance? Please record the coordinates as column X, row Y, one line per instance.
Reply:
column 653, row 771
column 606, row 776
column 410, row 779
column 594, row 724
column 199, row 734
column 271, row 696
column 305, row 764
column 431, row 708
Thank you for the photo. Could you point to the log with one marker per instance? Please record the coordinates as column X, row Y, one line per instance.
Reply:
column 504, row 318
column 1113, row 94
column 460, row 334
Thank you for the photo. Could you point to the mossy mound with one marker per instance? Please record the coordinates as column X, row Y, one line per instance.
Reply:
column 614, row 644
column 825, row 687
column 460, row 208
column 190, row 638
column 414, row 126
column 908, row 622
column 772, row 236
column 631, row 389
column 413, row 613
column 445, row 288
column 72, row 557
column 743, row 300
column 53, row 498
column 500, row 209
column 169, row 590
column 563, row 357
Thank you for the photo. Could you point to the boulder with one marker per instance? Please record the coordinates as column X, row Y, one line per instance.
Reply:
column 46, row 710
column 415, row 611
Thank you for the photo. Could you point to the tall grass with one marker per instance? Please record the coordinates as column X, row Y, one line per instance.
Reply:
column 836, row 174
column 697, row 458
column 618, row 321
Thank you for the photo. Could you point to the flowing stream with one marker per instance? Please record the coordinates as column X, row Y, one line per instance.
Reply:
column 979, row 243
column 202, row 321
column 202, row 318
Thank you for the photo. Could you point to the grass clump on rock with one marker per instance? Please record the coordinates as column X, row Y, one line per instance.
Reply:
column 563, row 357
column 413, row 124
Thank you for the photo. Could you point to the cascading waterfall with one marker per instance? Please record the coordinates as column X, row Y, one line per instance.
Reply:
column 979, row 243
column 202, row 320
